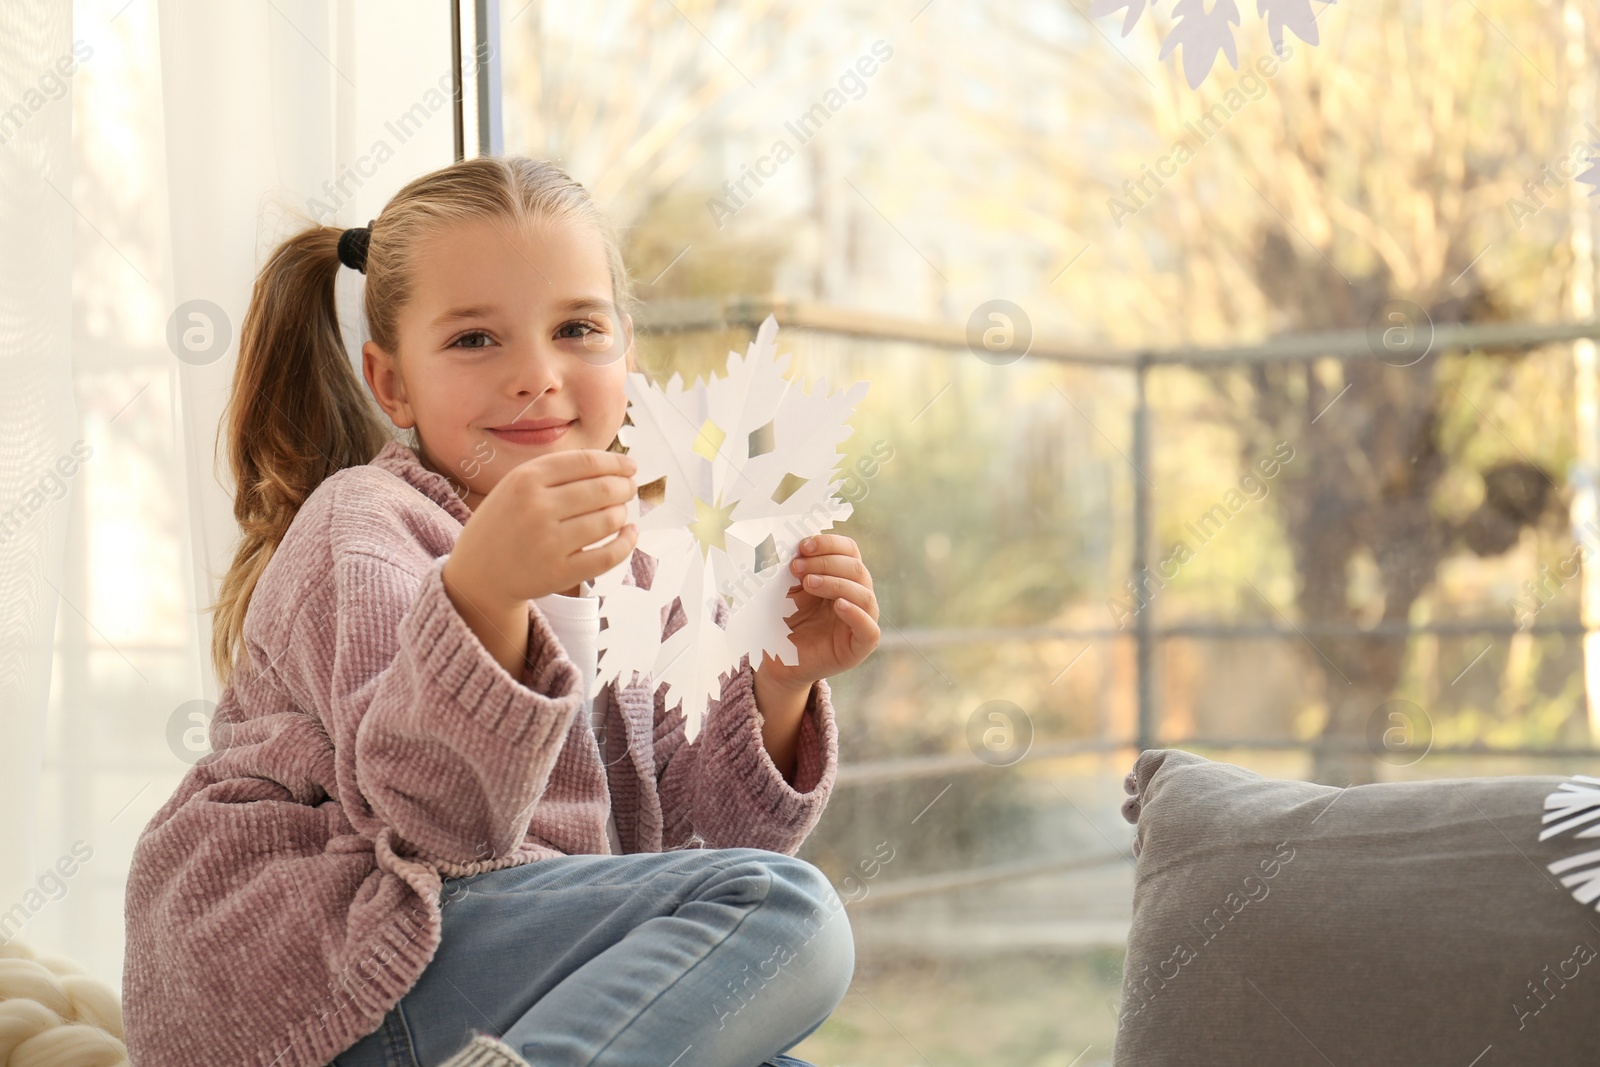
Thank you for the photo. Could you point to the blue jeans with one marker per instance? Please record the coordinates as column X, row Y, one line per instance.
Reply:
column 691, row 958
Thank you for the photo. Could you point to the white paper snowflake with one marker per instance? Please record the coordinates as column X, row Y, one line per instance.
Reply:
column 1204, row 33
column 748, row 461
column 1575, row 807
column 1588, row 177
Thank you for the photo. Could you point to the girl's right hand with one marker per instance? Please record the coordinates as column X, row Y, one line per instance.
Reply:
column 526, row 538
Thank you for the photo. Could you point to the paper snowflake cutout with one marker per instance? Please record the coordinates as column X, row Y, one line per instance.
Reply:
column 1204, row 33
column 747, row 464
column 1588, row 177
column 1575, row 806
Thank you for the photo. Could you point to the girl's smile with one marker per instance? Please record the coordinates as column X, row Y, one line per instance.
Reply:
column 532, row 431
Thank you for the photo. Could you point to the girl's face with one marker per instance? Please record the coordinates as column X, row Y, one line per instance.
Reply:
column 503, row 328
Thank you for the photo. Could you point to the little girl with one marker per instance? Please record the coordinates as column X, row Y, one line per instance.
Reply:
column 407, row 639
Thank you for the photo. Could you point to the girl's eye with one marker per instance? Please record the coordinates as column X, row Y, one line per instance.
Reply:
column 473, row 333
column 584, row 327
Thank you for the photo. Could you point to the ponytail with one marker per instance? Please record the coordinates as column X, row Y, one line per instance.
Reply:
column 296, row 414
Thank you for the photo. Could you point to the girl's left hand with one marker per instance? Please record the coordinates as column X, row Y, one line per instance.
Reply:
column 835, row 624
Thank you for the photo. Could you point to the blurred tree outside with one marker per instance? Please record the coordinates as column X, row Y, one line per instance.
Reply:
column 1027, row 153
column 1382, row 165
column 1383, row 225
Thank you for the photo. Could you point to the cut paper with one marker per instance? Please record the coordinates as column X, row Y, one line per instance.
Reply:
column 1575, row 806
column 1204, row 34
column 745, row 464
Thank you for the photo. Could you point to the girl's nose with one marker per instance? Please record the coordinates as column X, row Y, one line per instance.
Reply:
column 536, row 370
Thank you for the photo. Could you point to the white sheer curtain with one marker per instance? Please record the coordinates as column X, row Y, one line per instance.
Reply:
column 38, row 417
column 155, row 173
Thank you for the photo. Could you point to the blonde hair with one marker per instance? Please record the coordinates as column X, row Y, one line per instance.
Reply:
column 297, row 412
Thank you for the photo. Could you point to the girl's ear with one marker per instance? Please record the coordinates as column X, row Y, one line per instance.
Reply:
column 384, row 382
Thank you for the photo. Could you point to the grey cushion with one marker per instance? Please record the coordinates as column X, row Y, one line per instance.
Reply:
column 1287, row 923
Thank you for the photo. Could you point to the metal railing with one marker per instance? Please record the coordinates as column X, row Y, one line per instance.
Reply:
column 747, row 313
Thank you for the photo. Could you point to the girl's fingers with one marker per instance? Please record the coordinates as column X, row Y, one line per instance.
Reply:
column 858, row 616
column 862, row 624
column 831, row 588
column 825, row 544
column 839, row 566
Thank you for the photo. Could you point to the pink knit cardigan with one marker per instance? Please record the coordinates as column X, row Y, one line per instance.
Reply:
column 287, row 895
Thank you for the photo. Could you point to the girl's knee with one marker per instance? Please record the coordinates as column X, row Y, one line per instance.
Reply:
column 800, row 913
column 786, row 882
column 808, row 915
column 834, row 965
column 796, row 887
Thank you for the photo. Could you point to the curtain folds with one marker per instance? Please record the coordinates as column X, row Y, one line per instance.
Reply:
column 152, row 154
column 38, row 414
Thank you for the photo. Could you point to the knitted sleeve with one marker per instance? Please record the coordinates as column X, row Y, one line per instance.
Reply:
column 439, row 752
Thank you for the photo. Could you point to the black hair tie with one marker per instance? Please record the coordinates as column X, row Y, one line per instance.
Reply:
column 353, row 246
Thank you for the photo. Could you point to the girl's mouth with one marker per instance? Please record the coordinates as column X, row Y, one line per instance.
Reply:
column 540, row 432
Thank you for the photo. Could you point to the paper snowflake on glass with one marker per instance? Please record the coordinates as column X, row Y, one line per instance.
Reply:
column 1204, row 33
column 746, row 463
column 1575, row 807
column 1588, row 177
